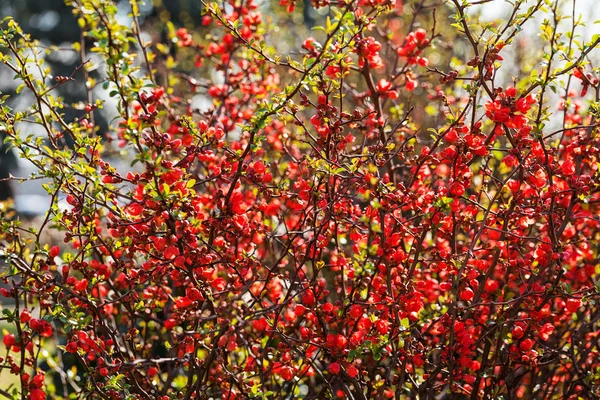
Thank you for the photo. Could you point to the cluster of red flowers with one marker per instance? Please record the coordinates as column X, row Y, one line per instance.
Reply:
column 508, row 110
column 304, row 237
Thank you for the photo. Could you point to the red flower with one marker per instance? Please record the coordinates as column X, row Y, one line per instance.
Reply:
column 237, row 203
column 356, row 311
column 383, row 86
column 545, row 331
column 457, row 189
column 518, row 332
column 25, row 316
column 135, row 209
column 37, row 381
column 352, row 371
column 71, row 347
column 183, row 302
column 9, row 340
column 334, row 368
column 37, row 394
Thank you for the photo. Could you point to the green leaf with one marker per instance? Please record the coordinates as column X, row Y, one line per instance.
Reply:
column 405, row 323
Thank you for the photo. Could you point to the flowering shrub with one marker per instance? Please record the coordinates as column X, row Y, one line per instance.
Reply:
column 365, row 215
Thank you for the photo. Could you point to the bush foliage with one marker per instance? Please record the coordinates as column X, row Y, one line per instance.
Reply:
column 385, row 209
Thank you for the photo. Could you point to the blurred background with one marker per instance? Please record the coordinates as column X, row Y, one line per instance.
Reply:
column 52, row 22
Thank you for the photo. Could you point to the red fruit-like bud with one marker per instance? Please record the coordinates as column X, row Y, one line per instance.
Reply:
column 410, row 85
column 54, row 251
column 203, row 126
column 71, row 200
column 384, row 85
column 309, row 44
column 491, row 286
column 287, row 373
column 467, row 294
column 35, row 324
column 518, row 332
column 37, row 381
column 71, row 347
column 526, row 345
column 352, row 371
column 511, row 91
column 545, row 331
column 9, row 340
column 170, row 323
column 25, row 316
column 260, row 324
column 183, row 302
column 135, row 209
column 37, row 394
column 194, row 294
column 382, row 326
column 219, row 241
column 334, row 368
column 304, row 332
column 572, row 305
column 81, row 285
column 356, row 311
column 509, row 161
column 299, row 310
column 308, row 299
column 420, row 34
